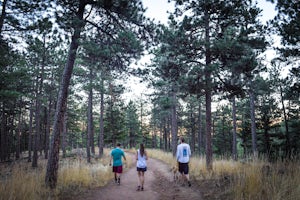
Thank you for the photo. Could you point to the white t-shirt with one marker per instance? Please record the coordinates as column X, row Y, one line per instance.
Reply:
column 141, row 162
column 183, row 153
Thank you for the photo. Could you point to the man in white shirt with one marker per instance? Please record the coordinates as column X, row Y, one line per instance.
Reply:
column 183, row 154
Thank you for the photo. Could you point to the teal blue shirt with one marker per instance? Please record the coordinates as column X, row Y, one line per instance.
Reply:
column 117, row 154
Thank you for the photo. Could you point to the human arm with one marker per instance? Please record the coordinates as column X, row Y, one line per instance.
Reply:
column 124, row 156
column 110, row 159
column 177, row 153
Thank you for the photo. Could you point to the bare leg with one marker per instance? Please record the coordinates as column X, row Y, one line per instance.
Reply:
column 187, row 177
column 182, row 178
column 139, row 181
column 142, row 180
column 139, row 175
column 118, row 178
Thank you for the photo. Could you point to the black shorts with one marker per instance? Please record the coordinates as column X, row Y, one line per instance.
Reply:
column 183, row 168
column 141, row 169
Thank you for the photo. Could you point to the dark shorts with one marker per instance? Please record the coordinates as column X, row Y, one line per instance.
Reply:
column 183, row 168
column 118, row 169
column 141, row 169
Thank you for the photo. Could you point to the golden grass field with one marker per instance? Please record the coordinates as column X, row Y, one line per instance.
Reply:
column 246, row 180
column 253, row 180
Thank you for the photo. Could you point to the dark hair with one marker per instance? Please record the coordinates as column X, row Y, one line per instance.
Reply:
column 118, row 144
column 182, row 139
column 142, row 149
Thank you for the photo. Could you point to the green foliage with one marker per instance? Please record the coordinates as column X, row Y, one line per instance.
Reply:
column 223, row 131
column 132, row 123
column 14, row 76
column 287, row 24
column 114, row 123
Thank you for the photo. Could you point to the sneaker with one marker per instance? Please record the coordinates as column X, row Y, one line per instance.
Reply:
column 189, row 183
column 142, row 188
column 116, row 180
column 138, row 188
column 119, row 181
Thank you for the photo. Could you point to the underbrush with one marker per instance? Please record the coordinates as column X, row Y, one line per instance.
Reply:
column 253, row 179
column 20, row 181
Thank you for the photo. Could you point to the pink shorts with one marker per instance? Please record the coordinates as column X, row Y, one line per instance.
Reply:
column 118, row 169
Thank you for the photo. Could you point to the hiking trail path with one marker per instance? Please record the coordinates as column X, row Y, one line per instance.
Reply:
column 159, row 185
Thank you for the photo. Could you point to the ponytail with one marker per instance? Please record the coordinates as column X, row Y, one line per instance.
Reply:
column 142, row 149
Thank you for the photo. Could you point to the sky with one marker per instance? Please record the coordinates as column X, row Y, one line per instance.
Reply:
column 158, row 10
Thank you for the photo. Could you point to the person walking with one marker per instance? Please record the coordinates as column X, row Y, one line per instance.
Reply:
column 141, row 166
column 117, row 167
column 183, row 154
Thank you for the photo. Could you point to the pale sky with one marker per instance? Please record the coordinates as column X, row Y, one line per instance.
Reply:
column 157, row 9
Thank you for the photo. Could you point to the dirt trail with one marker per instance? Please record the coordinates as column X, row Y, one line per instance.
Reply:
column 159, row 185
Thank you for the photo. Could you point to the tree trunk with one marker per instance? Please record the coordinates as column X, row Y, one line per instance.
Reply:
column 91, row 117
column 209, row 161
column 244, row 136
column 30, row 132
column 154, row 137
column 234, row 142
column 266, row 135
column 90, row 114
column 287, row 134
column 101, row 134
column 161, row 125
column 64, row 133
column 3, row 135
column 39, row 93
column 3, row 15
column 49, row 117
column 18, row 136
column 193, row 134
column 200, row 136
column 89, row 123
column 52, row 165
column 166, row 134
column 48, row 121
column 169, row 131
column 10, row 139
column 37, row 129
column 253, row 123
column 174, row 122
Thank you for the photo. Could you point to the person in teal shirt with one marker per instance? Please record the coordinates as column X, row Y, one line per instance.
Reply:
column 117, row 167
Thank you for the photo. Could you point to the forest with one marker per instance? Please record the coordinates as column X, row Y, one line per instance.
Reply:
column 64, row 66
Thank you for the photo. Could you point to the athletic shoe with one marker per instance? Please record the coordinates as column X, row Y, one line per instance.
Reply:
column 142, row 188
column 189, row 183
column 119, row 181
column 138, row 188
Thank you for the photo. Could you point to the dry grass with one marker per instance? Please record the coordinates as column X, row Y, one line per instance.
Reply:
column 268, row 182
column 255, row 179
column 22, row 183
column 75, row 175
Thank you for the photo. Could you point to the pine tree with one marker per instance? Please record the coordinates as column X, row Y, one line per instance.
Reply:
column 73, row 20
